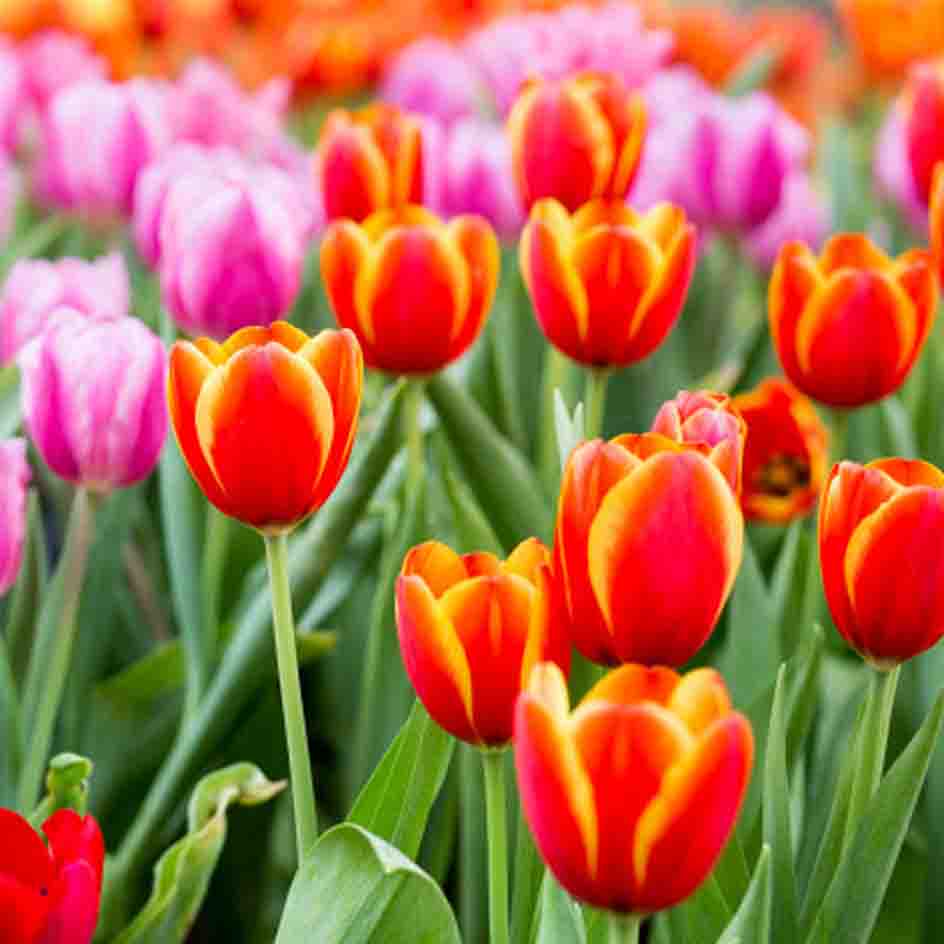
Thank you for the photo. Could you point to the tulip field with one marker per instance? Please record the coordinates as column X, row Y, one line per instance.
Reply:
column 471, row 472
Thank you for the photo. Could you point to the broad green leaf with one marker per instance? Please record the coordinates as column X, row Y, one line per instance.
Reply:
column 473, row 858
column 396, row 802
column 559, row 919
column 357, row 889
column 9, row 400
column 29, row 591
column 473, row 529
column 852, row 904
column 751, row 922
column 527, row 871
column 707, row 912
column 899, row 433
column 930, row 672
column 732, row 872
column 183, row 873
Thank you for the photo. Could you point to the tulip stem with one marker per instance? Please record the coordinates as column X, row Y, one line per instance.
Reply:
column 624, row 929
column 595, row 401
column 493, row 763
column 49, row 664
column 293, row 710
column 414, row 396
column 840, row 435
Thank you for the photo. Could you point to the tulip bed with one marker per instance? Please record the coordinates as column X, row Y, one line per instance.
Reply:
column 504, row 507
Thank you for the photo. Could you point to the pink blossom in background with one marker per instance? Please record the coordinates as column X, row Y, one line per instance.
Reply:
column 36, row 288
column 9, row 197
column 96, row 137
column 94, row 399
column 14, row 481
column 12, row 96
column 893, row 172
column 232, row 252
column 434, row 78
column 53, row 60
column 801, row 214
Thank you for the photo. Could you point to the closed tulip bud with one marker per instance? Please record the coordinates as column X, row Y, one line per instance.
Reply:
column 711, row 421
column 882, row 557
column 924, row 124
column 577, row 139
column 785, row 459
column 415, row 290
column 14, row 480
column 936, row 220
column 607, row 284
column 93, row 399
column 849, row 326
column 12, row 96
column 266, row 421
column 646, row 549
column 631, row 797
column 50, row 893
column 370, row 160
column 54, row 60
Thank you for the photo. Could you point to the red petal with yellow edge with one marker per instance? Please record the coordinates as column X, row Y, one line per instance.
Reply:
column 491, row 617
column 557, row 294
column 477, row 244
column 910, row 471
column 915, row 274
column 852, row 493
column 592, row 470
column 626, row 751
column 355, row 178
column 561, row 144
column 434, row 659
column 855, row 339
column 343, row 254
column 438, row 565
column 414, row 290
column 265, row 423
column 556, row 794
column 188, row 372
column 631, row 684
column 936, row 221
column 482, row 564
column 616, row 267
column 527, row 559
column 547, row 631
column 663, row 304
column 700, row 700
column 682, row 833
column 899, row 618
column 852, row 251
column 925, row 127
column 792, row 284
column 630, row 151
column 664, row 550
column 336, row 357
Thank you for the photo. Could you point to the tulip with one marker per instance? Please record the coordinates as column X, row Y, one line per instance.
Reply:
column 893, row 171
column 882, row 557
column 12, row 96
column 93, row 399
column 471, row 629
column 36, row 288
column 924, row 124
column 711, row 422
column 785, row 459
column 14, row 480
column 849, row 326
column 646, row 548
column 631, row 797
column 415, row 290
column 576, row 140
column 54, row 60
column 607, row 284
column 266, row 421
column 369, row 160
column 50, row 894
column 936, row 221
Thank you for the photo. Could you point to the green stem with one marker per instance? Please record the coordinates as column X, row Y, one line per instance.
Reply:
column 293, row 711
column 559, row 374
column 48, row 680
column 215, row 545
column 623, row 929
column 493, row 763
column 871, row 747
column 595, row 399
column 413, row 432
column 839, row 443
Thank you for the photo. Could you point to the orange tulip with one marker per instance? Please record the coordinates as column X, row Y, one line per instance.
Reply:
column 924, row 123
column 607, row 284
column 576, row 139
column 471, row 629
column 849, row 326
column 882, row 556
column 267, row 420
column 632, row 797
column 647, row 545
column 785, row 458
column 370, row 160
column 415, row 290
column 709, row 421
column 936, row 221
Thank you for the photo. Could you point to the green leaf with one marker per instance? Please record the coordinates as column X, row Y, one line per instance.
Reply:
column 356, row 888
column 756, row 70
column 898, row 431
column 473, row 851
column 29, row 591
column 852, row 904
column 526, row 880
column 570, row 429
column 497, row 473
column 10, row 413
column 560, row 377
column 751, row 922
column 396, row 802
column 707, row 912
column 183, row 873
column 473, row 529
column 559, row 919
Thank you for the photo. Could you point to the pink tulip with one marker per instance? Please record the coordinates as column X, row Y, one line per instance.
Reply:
column 14, row 479
column 96, row 138
column 54, row 60
column 893, row 172
column 801, row 214
column 12, row 96
column 36, row 288
column 94, row 399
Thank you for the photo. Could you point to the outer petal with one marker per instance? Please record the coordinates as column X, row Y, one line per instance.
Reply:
column 700, row 699
column 527, row 559
column 355, row 178
column 631, row 684
column 73, row 914
column 26, row 880
column 793, row 282
column 664, row 550
column 910, row 471
column 682, row 833
column 476, row 242
column 936, row 220
column 924, row 126
column 74, row 838
column 438, row 565
column 344, row 252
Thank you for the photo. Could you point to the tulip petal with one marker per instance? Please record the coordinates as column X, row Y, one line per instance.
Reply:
column 477, row 244
column 74, row 838
column 852, row 251
column 344, row 251
column 439, row 566
column 73, row 914
column 527, row 559
column 23, row 910
column 700, row 699
column 792, row 284
column 631, row 684
column 354, row 174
